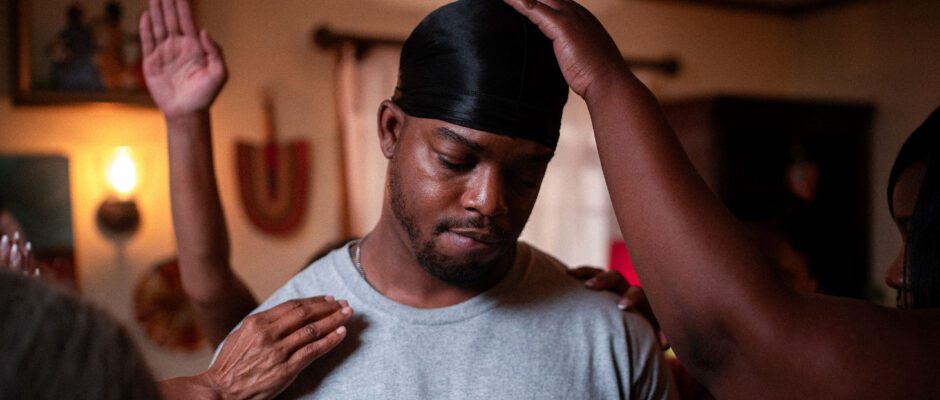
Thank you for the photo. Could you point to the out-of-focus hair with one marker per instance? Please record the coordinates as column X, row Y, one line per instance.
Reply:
column 56, row 346
column 921, row 264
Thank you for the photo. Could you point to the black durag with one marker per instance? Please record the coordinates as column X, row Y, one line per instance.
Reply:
column 482, row 65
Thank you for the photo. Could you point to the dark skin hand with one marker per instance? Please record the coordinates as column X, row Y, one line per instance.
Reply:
column 740, row 331
column 263, row 356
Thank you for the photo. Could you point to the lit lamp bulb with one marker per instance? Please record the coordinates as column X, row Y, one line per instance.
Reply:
column 118, row 213
column 122, row 173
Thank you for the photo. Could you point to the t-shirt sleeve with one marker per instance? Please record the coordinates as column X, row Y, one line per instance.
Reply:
column 650, row 378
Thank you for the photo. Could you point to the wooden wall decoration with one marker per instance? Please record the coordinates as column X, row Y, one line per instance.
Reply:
column 164, row 311
column 273, row 179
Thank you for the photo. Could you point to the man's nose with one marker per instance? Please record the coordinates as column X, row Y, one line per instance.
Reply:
column 485, row 194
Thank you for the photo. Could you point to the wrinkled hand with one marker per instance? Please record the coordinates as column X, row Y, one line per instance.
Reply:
column 17, row 254
column 587, row 55
column 267, row 352
column 183, row 67
column 632, row 297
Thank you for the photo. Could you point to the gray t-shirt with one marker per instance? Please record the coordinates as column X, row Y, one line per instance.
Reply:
column 538, row 334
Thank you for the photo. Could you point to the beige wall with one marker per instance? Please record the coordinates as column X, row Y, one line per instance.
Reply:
column 267, row 42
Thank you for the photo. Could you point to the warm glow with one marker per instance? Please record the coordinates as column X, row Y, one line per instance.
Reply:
column 122, row 173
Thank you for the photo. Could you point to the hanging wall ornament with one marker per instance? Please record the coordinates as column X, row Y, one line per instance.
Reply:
column 273, row 178
column 164, row 311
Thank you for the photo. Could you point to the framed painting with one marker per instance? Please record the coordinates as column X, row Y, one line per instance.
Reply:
column 68, row 51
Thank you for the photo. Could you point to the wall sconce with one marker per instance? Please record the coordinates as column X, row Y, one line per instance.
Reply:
column 118, row 212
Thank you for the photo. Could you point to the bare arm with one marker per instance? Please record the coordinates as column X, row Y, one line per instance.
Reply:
column 740, row 331
column 219, row 297
column 185, row 71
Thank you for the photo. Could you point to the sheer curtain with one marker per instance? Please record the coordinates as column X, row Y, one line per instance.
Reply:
column 572, row 219
column 364, row 80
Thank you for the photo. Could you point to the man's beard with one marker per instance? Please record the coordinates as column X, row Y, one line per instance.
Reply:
column 461, row 273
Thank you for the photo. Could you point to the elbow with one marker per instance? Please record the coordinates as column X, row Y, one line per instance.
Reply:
column 215, row 292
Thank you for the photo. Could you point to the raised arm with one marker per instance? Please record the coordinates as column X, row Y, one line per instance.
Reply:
column 185, row 71
column 741, row 332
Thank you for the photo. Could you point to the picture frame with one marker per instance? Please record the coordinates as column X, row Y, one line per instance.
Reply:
column 67, row 51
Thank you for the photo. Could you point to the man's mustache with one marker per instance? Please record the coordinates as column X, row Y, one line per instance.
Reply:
column 480, row 223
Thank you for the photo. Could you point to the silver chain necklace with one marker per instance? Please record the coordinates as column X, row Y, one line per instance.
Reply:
column 357, row 260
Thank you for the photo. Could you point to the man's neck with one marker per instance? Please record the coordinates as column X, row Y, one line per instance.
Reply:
column 390, row 266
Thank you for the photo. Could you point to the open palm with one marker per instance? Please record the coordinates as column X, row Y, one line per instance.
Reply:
column 183, row 68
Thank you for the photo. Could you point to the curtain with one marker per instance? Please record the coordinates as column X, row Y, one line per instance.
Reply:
column 364, row 81
column 573, row 219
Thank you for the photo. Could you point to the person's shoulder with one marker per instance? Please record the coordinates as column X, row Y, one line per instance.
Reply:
column 583, row 304
column 548, row 271
column 314, row 279
column 551, row 285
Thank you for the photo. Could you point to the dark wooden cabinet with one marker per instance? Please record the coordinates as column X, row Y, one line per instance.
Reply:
column 797, row 165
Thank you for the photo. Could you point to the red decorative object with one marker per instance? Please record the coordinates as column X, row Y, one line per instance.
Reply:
column 273, row 185
column 620, row 262
column 272, row 179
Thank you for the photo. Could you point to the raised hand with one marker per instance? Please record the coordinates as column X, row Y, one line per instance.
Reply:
column 587, row 55
column 183, row 67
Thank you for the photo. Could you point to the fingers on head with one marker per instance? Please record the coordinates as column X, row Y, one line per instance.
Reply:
column 536, row 10
column 554, row 4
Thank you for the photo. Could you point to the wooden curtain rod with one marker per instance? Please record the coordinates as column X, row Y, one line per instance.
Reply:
column 328, row 39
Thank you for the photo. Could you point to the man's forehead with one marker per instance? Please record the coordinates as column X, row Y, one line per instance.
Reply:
column 482, row 141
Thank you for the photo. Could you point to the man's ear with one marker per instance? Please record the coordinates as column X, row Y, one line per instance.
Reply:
column 391, row 124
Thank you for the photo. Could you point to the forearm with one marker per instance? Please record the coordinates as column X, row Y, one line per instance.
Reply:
column 199, row 224
column 706, row 283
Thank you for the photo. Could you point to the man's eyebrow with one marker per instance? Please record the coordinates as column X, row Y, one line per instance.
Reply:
column 448, row 134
